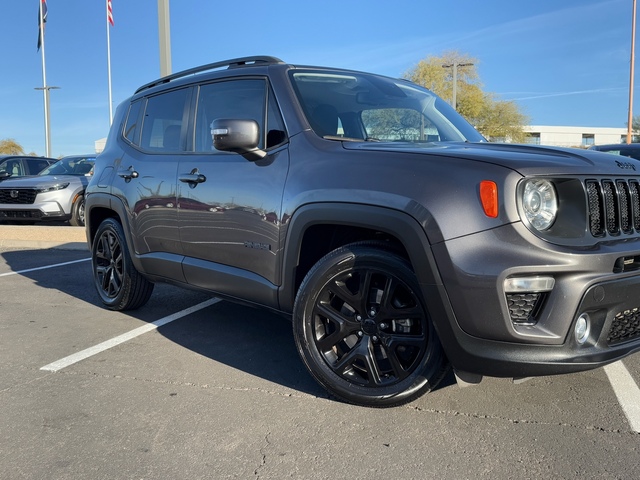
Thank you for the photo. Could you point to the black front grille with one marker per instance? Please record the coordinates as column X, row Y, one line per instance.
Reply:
column 21, row 196
column 625, row 326
column 614, row 207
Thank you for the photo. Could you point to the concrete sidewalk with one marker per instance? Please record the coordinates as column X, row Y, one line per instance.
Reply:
column 62, row 237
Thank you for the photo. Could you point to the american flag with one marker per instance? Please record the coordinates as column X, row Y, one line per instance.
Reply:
column 42, row 16
column 109, row 13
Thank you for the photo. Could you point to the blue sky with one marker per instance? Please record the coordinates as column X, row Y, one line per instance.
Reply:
column 565, row 62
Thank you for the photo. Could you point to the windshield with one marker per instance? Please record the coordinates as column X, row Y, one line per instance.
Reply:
column 358, row 106
column 71, row 166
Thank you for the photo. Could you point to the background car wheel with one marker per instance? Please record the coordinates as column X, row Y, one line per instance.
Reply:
column 363, row 331
column 119, row 284
column 77, row 212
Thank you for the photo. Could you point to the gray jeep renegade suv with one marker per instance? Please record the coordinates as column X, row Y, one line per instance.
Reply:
column 397, row 240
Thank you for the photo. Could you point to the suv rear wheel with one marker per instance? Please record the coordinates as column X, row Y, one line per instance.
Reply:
column 363, row 331
column 119, row 284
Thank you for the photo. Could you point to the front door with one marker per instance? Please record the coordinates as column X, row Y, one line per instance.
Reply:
column 229, row 208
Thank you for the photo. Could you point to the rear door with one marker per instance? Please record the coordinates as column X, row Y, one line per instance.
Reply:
column 146, row 175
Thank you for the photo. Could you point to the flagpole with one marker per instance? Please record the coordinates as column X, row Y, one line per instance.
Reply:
column 45, row 89
column 109, row 63
column 631, row 69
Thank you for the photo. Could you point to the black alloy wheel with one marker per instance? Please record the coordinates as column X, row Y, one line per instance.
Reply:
column 363, row 331
column 119, row 284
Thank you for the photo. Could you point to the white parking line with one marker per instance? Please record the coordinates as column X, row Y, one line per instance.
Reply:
column 101, row 347
column 43, row 268
column 627, row 392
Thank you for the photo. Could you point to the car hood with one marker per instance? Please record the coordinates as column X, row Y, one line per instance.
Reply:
column 525, row 159
column 43, row 181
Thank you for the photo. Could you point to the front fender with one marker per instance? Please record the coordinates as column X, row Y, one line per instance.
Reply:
column 389, row 221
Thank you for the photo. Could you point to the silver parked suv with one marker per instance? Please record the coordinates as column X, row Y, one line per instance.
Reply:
column 366, row 209
column 56, row 193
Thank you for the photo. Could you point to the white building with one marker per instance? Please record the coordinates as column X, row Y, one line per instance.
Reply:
column 99, row 144
column 574, row 136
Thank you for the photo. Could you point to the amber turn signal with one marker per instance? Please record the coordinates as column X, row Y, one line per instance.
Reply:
column 489, row 198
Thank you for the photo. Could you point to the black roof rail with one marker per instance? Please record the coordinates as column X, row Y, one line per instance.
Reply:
column 236, row 62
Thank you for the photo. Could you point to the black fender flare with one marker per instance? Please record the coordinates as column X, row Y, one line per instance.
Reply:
column 109, row 202
column 396, row 223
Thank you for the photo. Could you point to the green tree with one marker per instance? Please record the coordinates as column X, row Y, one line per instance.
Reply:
column 9, row 146
column 494, row 118
column 635, row 128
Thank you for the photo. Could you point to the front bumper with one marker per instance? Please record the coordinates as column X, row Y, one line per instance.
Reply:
column 609, row 317
column 479, row 332
column 33, row 212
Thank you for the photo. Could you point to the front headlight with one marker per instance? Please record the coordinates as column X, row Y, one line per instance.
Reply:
column 540, row 204
column 53, row 188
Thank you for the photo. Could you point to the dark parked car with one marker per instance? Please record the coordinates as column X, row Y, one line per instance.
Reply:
column 21, row 165
column 56, row 193
column 626, row 150
column 366, row 209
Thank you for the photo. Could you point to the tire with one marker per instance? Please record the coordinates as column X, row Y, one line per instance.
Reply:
column 118, row 283
column 77, row 212
column 363, row 331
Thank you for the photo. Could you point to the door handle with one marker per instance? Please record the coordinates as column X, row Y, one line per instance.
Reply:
column 192, row 178
column 128, row 174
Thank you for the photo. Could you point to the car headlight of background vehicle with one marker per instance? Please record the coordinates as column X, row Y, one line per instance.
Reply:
column 539, row 203
column 52, row 188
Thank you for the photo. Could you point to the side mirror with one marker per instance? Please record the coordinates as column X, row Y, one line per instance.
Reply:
column 239, row 136
column 4, row 175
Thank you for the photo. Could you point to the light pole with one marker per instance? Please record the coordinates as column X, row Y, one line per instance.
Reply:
column 455, row 65
column 164, row 33
column 47, row 122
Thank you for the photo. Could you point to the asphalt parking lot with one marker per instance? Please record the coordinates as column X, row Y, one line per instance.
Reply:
column 190, row 387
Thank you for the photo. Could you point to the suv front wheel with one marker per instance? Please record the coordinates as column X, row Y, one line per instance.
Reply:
column 363, row 331
column 119, row 284
column 77, row 212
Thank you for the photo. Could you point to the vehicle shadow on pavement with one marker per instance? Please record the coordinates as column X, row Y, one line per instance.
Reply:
column 251, row 340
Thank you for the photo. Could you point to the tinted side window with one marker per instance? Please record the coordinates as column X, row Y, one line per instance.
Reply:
column 131, row 130
column 275, row 125
column 236, row 99
column 35, row 166
column 13, row 166
column 163, row 119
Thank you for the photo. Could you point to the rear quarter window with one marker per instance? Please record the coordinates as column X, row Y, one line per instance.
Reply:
column 131, row 130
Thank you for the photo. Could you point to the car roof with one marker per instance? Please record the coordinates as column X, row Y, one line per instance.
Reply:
column 228, row 64
column 4, row 157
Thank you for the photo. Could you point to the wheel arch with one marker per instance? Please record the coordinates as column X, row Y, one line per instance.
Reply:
column 316, row 229
column 100, row 206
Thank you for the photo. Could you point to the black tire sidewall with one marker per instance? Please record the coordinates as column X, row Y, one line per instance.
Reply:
column 334, row 264
column 75, row 220
column 120, row 300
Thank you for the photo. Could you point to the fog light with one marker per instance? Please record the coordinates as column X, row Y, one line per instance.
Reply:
column 582, row 329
